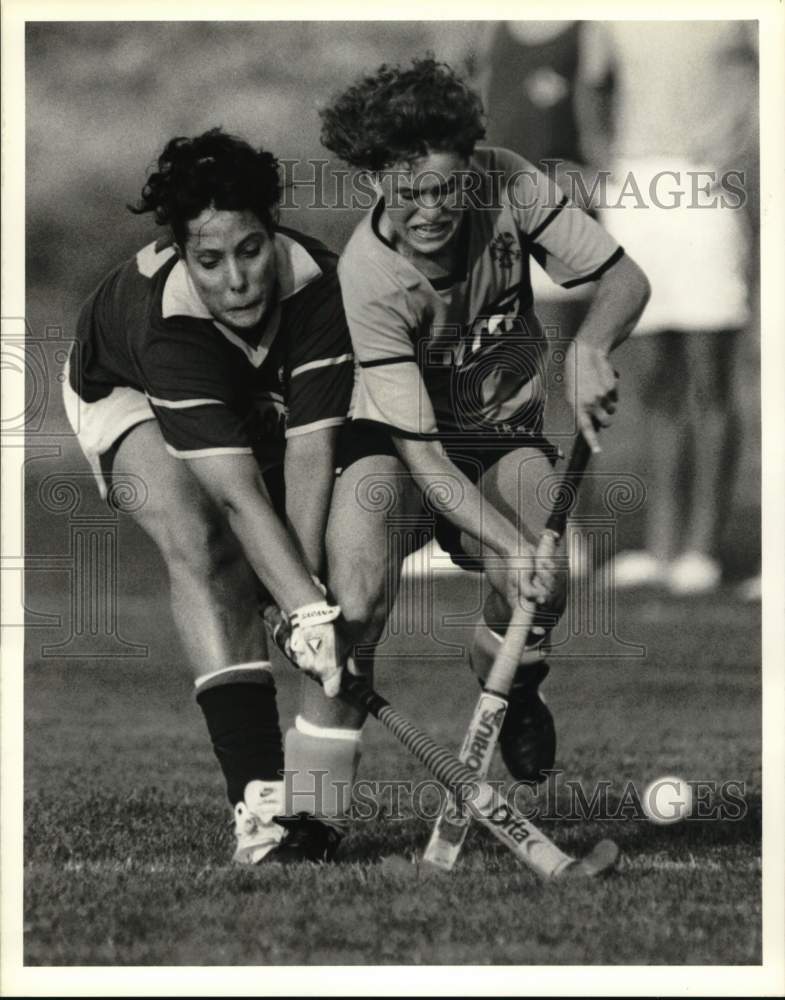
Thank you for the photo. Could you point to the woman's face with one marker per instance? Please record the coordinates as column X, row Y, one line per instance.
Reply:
column 422, row 201
column 230, row 258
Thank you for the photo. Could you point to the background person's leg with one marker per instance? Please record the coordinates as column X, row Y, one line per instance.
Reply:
column 663, row 396
column 662, row 382
column 712, row 426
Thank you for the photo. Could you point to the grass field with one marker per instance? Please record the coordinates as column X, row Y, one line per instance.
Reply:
column 128, row 838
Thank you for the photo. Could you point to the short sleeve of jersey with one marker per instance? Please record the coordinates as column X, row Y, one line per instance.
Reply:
column 187, row 381
column 390, row 390
column 572, row 248
column 320, row 364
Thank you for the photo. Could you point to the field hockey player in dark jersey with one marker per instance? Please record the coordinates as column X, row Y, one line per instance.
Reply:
column 215, row 366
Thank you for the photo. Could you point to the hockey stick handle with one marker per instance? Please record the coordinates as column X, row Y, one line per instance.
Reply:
column 485, row 804
column 508, row 658
column 445, row 767
column 567, row 490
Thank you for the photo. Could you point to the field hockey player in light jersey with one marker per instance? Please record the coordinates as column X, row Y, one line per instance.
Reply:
column 215, row 367
column 451, row 391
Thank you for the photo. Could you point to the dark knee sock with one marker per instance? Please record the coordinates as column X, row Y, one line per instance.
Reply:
column 242, row 718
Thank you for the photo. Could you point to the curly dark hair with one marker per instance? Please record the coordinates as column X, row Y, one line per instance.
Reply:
column 400, row 114
column 213, row 169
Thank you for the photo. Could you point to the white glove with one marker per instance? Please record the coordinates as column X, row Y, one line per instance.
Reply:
column 313, row 643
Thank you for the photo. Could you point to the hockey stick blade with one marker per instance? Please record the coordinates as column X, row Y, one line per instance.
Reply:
column 452, row 824
column 601, row 860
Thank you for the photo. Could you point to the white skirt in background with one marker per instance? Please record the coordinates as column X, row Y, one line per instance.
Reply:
column 694, row 255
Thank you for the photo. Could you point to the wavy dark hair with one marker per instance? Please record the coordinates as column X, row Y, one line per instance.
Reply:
column 399, row 114
column 216, row 170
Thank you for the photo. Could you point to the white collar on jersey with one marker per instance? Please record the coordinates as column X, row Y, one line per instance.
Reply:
column 296, row 269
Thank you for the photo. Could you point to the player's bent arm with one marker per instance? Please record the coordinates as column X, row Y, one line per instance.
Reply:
column 473, row 514
column 235, row 484
column 590, row 380
column 619, row 299
column 309, row 472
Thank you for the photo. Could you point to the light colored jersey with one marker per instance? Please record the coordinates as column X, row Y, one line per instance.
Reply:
column 211, row 390
column 465, row 357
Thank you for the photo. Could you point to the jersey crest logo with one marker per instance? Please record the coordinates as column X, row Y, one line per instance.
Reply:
column 504, row 250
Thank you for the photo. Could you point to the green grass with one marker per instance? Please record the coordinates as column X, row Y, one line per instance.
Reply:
column 128, row 840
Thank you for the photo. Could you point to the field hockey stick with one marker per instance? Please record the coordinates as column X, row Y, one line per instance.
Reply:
column 490, row 809
column 482, row 735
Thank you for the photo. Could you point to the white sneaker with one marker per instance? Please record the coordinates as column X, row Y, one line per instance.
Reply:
column 638, row 569
column 694, row 573
column 254, row 826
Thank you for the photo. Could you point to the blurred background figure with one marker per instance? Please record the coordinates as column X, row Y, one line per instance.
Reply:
column 671, row 109
column 526, row 73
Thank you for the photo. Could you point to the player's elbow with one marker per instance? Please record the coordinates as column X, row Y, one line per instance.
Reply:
column 639, row 286
column 246, row 502
column 231, row 506
column 248, row 515
column 626, row 289
column 644, row 288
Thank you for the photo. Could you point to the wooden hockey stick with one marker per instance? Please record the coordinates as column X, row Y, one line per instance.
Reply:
column 510, row 827
column 479, row 744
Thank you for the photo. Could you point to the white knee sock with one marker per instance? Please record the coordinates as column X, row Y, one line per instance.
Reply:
column 320, row 765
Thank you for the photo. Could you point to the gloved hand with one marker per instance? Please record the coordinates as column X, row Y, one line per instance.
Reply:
column 313, row 643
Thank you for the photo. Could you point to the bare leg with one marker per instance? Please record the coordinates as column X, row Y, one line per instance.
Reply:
column 364, row 570
column 213, row 589
column 665, row 412
column 214, row 600
column 528, row 737
column 511, row 485
column 323, row 747
column 713, row 426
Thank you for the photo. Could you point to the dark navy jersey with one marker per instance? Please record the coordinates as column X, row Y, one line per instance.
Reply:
column 213, row 391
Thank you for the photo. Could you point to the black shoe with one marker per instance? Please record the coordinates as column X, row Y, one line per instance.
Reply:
column 307, row 839
column 528, row 736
